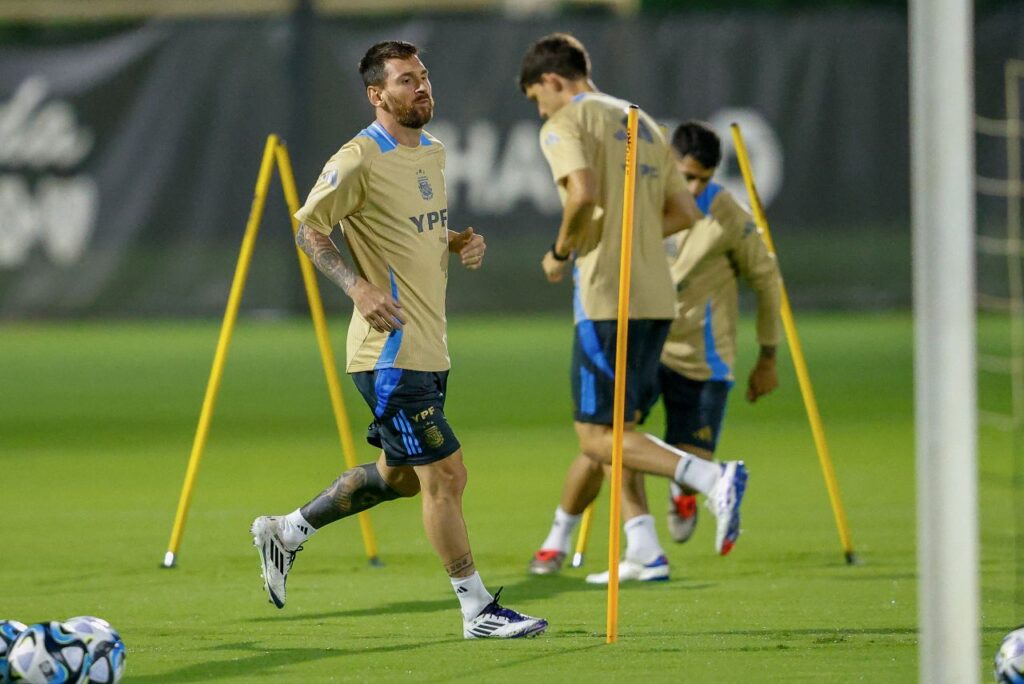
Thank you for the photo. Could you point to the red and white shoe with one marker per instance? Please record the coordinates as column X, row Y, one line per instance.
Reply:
column 682, row 516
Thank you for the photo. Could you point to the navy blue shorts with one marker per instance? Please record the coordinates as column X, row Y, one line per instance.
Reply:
column 408, row 409
column 694, row 409
column 593, row 369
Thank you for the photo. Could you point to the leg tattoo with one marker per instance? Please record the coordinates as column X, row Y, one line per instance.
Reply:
column 355, row 490
column 460, row 567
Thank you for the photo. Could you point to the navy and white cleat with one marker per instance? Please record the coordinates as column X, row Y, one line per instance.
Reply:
column 632, row 571
column 275, row 558
column 724, row 501
column 495, row 622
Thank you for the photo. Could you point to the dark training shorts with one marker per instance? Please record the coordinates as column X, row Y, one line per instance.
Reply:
column 408, row 409
column 593, row 369
column 694, row 409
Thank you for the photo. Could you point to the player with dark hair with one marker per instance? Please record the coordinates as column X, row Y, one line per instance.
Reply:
column 697, row 362
column 386, row 189
column 583, row 140
column 699, row 357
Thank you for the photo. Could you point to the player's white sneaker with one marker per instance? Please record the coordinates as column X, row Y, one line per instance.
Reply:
column 682, row 516
column 724, row 501
column 495, row 622
column 629, row 571
column 275, row 558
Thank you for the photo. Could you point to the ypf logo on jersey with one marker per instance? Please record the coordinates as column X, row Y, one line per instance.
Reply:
column 426, row 191
column 42, row 200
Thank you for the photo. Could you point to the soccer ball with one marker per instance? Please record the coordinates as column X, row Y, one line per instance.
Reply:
column 105, row 647
column 1010, row 658
column 9, row 631
column 45, row 653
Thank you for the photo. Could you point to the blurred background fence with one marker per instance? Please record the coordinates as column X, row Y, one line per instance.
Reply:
column 129, row 145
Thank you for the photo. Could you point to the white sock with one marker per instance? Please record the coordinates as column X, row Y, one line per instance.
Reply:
column 473, row 596
column 561, row 531
column 295, row 529
column 674, row 490
column 641, row 540
column 692, row 471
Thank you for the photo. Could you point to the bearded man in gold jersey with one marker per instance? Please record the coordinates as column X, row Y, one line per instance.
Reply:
column 386, row 189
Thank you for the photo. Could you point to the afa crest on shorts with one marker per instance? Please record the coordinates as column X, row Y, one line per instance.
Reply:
column 433, row 436
column 426, row 191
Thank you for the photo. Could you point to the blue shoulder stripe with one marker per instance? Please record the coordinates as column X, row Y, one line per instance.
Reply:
column 376, row 132
column 705, row 198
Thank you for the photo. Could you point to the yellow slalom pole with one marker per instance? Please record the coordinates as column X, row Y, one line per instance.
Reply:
column 802, row 374
column 252, row 228
column 621, row 342
column 583, row 537
column 316, row 308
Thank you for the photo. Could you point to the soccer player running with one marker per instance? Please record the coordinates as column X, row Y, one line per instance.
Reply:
column 386, row 188
column 583, row 141
column 697, row 362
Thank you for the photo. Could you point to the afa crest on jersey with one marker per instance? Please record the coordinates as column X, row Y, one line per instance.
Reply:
column 424, row 183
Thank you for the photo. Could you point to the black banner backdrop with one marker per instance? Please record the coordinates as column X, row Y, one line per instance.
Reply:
column 127, row 164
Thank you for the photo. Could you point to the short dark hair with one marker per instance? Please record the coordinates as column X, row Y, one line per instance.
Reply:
column 557, row 53
column 371, row 66
column 699, row 140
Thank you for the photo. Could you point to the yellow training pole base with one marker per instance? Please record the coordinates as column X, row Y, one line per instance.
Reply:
column 169, row 560
column 584, row 536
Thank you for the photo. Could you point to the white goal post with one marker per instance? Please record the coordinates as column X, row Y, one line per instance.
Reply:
column 943, row 207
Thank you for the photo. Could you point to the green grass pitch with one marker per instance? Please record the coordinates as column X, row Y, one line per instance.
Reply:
column 96, row 424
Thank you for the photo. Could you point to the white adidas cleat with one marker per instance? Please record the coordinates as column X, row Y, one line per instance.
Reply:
column 495, row 622
column 275, row 558
column 632, row 571
column 724, row 501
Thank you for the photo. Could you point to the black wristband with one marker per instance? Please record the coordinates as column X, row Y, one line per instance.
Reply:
column 554, row 253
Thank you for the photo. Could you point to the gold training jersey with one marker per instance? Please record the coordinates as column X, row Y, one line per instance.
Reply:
column 706, row 261
column 390, row 200
column 590, row 133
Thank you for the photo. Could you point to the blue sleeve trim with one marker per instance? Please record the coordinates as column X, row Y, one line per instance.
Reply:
column 719, row 369
column 705, row 198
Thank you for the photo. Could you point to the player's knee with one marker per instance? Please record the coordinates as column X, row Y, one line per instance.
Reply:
column 447, row 479
column 595, row 441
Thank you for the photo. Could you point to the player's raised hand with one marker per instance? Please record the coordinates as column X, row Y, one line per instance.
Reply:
column 378, row 307
column 469, row 246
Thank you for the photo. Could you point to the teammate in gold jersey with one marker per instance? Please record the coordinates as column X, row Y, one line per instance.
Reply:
column 583, row 140
column 386, row 189
column 697, row 362
column 700, row 354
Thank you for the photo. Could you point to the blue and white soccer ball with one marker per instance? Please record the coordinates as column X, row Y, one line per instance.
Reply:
column 47, row 653
column 1010, row 658
column 105, row 647
column 9, row 631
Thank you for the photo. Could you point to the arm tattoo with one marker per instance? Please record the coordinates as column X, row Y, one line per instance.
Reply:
column 325, row 256
column 459, row 566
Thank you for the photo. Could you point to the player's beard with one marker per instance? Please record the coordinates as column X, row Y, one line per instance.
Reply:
column 412, row 115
